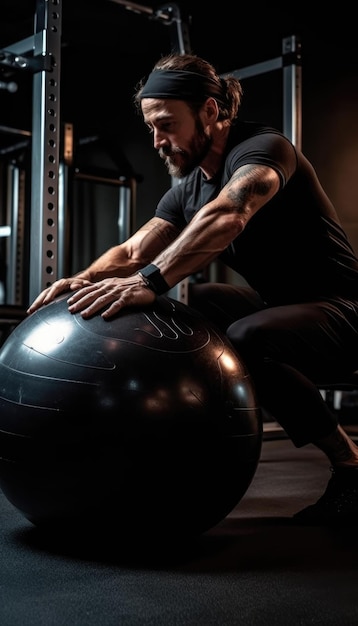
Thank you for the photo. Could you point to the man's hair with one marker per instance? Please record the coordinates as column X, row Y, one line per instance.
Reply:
column 226, row 90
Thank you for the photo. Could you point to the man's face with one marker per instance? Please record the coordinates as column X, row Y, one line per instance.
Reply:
column 180, row 137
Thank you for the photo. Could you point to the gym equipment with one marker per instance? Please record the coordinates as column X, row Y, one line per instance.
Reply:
column 144, row 423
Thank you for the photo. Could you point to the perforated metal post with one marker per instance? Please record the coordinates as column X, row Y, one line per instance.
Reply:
column 40, row 55
column 15, row 250
column 45, row 150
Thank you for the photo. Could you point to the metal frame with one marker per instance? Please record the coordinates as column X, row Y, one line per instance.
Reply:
column 169, row 15
column 45, row 151
column 290, row 63
column 41, row 55
column 15, row 252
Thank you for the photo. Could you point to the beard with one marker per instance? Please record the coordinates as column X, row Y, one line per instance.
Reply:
column 180, row 162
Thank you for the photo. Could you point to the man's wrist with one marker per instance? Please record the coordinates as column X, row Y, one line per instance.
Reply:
column 153, row 279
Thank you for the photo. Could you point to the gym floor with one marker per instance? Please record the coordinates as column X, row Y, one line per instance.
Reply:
column 254, row 568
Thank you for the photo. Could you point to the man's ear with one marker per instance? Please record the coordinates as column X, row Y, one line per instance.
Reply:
column 211, row 110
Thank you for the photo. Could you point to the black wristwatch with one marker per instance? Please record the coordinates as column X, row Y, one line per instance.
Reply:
column 153, row 279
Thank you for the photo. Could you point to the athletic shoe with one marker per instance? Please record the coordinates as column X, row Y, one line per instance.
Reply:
column 339, row 503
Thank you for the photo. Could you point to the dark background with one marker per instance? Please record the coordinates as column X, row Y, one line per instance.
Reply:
column 106, row 49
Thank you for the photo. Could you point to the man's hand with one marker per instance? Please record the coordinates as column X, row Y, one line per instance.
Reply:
column 109, row 296
column 58, row 287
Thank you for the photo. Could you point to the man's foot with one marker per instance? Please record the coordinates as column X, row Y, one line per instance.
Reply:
column 339, row 503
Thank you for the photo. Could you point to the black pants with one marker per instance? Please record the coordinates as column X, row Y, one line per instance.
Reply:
column 288, row 351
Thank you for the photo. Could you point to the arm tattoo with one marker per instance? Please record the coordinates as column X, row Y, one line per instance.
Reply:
column 245, row 183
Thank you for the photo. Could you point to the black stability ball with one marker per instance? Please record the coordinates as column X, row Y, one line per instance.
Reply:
column 148, row 421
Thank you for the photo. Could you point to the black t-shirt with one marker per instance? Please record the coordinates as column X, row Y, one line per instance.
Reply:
column 293, row 249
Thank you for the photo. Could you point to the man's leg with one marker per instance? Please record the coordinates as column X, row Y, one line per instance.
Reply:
column 285, row 354
column 224, row 304
column 286, row 349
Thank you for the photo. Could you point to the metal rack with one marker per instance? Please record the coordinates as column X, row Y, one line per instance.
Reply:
column 51, row 165
column 290, row 64
column 40, row 54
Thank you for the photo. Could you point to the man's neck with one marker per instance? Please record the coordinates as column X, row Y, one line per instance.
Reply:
column 213, row 160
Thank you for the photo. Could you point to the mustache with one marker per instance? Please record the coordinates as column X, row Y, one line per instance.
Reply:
column 166, row 151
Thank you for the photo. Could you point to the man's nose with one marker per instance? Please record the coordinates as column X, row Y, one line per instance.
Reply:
column 159, row 140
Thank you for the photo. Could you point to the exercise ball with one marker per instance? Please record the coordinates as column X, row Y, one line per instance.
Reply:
column 148, row 421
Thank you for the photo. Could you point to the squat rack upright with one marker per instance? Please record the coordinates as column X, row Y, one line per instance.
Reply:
column 40, row 54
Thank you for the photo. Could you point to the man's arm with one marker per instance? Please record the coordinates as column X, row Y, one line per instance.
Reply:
column 211, row 230
column 218, row 223
column 119, row 261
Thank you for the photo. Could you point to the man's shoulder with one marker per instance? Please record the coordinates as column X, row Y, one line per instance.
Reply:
column 252, row 142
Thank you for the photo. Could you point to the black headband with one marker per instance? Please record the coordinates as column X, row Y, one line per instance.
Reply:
column 181, row 85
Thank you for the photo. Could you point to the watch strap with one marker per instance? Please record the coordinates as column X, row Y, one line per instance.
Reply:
column 153, row 279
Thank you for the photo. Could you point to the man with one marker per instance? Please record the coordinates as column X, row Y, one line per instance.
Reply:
column 248, row 197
